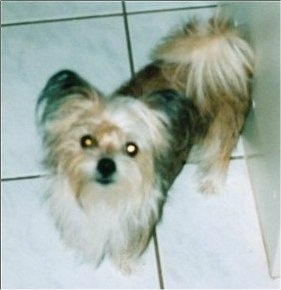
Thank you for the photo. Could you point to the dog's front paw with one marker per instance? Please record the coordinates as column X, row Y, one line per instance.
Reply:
column 210, row 186
column 124, row 264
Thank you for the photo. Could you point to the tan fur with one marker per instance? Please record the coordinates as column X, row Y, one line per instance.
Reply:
column 193, row 96
column 211, row 64
column 98, row 219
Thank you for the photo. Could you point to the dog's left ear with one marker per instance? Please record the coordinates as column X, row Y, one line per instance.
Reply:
column 60, row 87
column 179, row 109
column 181, row 123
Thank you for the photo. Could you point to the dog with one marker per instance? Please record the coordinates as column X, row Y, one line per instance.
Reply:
column 112, row 159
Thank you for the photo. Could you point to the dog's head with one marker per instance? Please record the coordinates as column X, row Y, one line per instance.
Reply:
column 113, row 147
column 104, row 145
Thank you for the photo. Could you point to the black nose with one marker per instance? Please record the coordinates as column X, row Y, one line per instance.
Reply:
column 106, row 167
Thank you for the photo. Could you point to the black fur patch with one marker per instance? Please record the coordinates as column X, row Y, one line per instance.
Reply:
column 183, row 119
column 58, row 87
column 181, row 111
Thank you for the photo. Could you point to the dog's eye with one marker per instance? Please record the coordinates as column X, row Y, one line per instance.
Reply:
column 132, row 149
column 87, row 141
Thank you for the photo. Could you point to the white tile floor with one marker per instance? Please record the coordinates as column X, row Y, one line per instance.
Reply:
column 203, row 242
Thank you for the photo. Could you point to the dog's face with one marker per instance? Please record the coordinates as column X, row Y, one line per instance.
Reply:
column 104, row 146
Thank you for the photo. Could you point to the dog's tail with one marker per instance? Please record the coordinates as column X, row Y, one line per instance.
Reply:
column 210, row 60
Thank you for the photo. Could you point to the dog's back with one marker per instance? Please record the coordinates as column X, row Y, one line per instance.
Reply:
column 211, row 64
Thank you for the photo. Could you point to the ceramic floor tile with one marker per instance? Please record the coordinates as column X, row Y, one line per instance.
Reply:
column 95, row 48
column 154, row 26
column 34, row 257
column 21, row 11
column 212, row 241
column 133, row 6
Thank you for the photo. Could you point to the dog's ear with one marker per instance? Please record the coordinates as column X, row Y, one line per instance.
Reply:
column 179, row 109
column 182, row 122
column 60, row 86
column 168, row 101
column 63, row 83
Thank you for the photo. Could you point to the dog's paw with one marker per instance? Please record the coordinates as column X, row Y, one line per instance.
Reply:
column 210, row 186
column 124, row 264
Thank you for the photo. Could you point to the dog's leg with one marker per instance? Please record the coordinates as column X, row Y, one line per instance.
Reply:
column 217, row 146
column 124, row 262
column 126, row 259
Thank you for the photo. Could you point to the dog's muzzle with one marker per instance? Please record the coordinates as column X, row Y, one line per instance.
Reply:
column 106, row 168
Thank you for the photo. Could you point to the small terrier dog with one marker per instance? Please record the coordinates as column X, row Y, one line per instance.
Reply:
column 113, row 159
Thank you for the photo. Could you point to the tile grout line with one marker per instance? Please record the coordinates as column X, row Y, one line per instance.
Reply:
column 172, row 9
column 132, row 69
column 128, row 38
column 66, row 19
column 88, row 17
column 238, row 157
column 158, row 260
column 5, row 179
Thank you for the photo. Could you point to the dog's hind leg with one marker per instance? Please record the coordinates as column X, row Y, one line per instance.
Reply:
column 216, row 148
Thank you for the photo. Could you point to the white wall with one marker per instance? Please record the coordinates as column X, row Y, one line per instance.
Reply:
column 262, row 130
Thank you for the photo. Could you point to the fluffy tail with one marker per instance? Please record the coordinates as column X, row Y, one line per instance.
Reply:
column 212, row 60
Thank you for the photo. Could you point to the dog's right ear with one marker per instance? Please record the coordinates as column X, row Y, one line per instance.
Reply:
column 61, row 86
